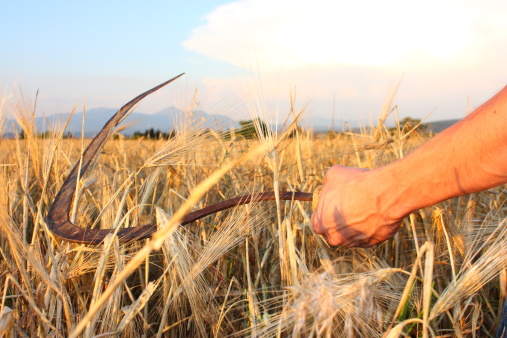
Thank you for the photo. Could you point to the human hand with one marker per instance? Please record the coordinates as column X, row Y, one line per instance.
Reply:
column 353, row 209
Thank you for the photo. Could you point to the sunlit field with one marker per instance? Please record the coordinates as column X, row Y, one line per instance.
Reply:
column 255, row 270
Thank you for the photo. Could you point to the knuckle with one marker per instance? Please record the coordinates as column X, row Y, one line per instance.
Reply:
column 333, row 241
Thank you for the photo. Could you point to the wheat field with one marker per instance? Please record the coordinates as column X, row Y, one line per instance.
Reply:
column 256, row 270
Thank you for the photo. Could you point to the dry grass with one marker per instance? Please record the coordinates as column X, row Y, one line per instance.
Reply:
column 256, row 270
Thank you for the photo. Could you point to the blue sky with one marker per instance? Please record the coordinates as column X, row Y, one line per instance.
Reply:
column 447, row 54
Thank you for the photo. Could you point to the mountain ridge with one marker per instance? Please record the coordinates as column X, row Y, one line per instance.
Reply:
column 172, row 118
column 164, row 120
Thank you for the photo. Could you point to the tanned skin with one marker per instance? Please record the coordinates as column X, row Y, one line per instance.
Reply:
column 361, row 208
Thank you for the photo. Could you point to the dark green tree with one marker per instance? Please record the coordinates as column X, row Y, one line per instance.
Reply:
column 248, row 128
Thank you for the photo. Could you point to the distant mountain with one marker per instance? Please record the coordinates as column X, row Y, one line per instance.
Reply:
column 165, row 120
column 439, row 126
column 322, row 124
column 173, row 118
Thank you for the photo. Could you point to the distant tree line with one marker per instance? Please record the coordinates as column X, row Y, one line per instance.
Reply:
column 248, row 129
column 153, row 134
column 50, row 134
column 45, row 135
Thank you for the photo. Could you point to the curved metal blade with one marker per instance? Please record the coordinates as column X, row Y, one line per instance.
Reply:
column 58, row 220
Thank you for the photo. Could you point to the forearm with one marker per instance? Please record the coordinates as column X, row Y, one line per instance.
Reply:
column 468, row 157
column 364, row 208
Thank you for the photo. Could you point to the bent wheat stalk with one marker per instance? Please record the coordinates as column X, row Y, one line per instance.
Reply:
column 58, row 218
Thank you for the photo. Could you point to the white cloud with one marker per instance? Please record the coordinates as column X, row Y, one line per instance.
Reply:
column 350, row 49
column 294, row 34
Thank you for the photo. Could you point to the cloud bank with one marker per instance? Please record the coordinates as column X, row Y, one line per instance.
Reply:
column 295, row 34
column 352, row 50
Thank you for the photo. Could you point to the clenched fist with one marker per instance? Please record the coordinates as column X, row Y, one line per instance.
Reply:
column 353, row 209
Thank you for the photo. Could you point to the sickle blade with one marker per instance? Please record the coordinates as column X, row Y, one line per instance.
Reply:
column 58, row 219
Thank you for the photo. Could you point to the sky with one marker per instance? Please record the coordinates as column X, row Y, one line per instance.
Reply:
column 341, row 58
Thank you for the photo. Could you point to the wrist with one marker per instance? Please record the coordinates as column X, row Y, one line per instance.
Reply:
column 396, row 192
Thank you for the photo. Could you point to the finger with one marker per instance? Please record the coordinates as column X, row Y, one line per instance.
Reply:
column 334, row 240
column 316, row 221
column 334, row 237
